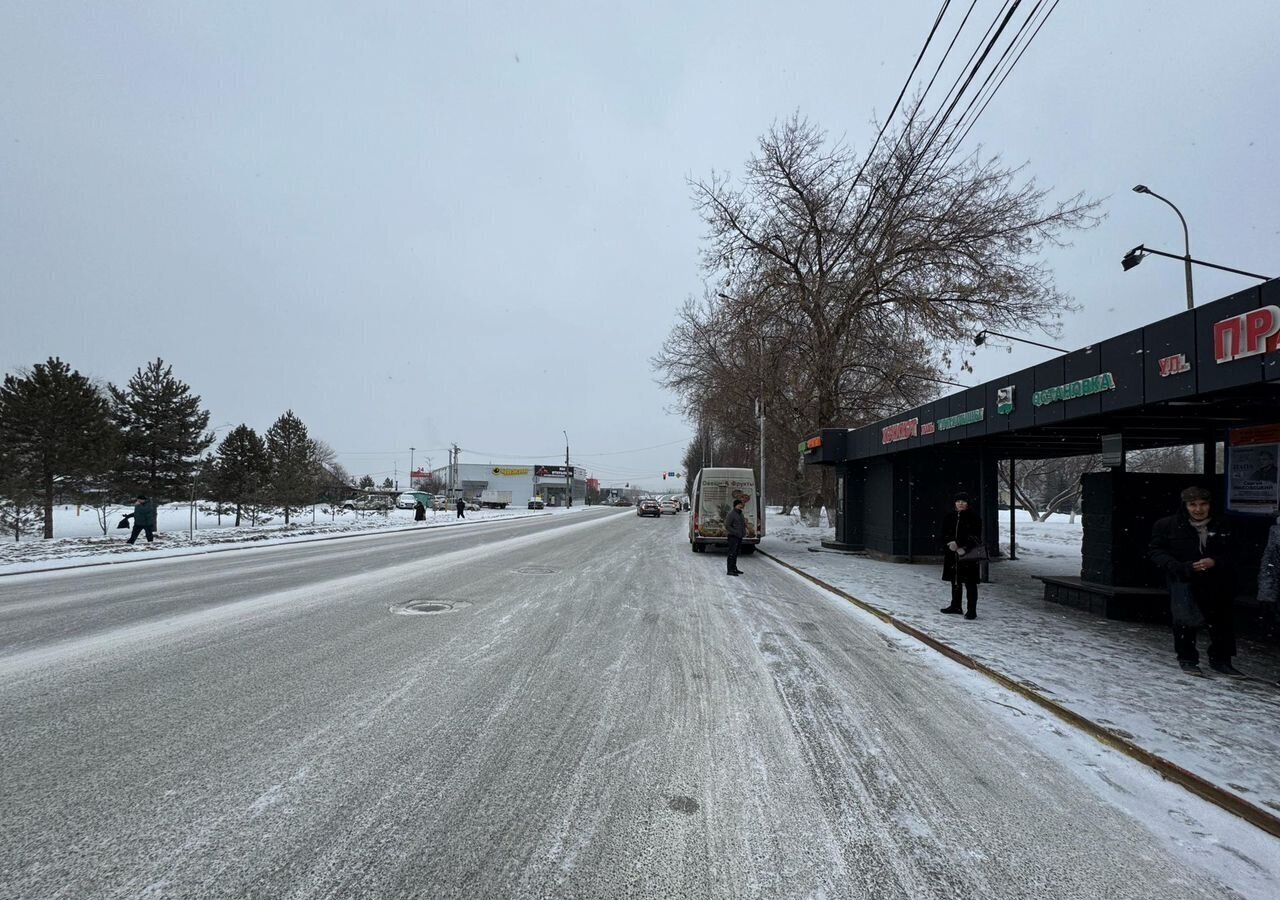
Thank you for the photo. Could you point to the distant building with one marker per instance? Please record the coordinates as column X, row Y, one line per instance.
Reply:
column 523, row 481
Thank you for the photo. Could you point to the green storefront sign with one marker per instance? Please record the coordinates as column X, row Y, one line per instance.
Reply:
column 1082, row 388
column 964, row 418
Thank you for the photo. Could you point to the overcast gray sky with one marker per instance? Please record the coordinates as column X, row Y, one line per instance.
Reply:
column 420, row 224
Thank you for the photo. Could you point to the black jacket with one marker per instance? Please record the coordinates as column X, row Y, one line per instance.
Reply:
column 736, row 523
column 966, row 530
column 1175, row 545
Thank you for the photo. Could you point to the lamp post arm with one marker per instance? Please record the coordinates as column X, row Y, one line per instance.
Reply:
column 1009, row 337
column 1209, row 265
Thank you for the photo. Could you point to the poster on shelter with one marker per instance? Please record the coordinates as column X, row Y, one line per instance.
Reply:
column 1253, row 484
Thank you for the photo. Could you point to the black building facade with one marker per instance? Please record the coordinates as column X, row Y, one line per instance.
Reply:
column 1206, row 376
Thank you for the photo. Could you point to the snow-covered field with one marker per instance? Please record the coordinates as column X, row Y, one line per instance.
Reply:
column 1121, row 675
column 79, row 539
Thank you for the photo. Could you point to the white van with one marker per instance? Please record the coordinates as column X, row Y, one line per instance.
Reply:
column 714, row 491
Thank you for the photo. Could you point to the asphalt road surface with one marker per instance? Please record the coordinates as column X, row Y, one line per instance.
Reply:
column 596, row 713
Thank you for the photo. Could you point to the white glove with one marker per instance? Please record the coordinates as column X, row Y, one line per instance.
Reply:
column 953, row 546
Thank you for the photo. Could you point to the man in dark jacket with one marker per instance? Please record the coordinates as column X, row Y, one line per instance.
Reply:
column 1192, row 550
column 462, row 505
column 962, row 530
column 144, row 519
column 735, row 523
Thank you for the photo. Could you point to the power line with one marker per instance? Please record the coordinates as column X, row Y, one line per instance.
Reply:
column 996, row 70
column 906, row 84
column 1009, row 70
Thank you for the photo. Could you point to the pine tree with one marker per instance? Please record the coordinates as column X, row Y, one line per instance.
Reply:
column 164, row 430
column 366, row 483
column 56, row 433
column 243, row 468
column 292, row 468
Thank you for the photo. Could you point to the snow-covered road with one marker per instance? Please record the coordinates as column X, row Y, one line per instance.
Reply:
column 597, row 713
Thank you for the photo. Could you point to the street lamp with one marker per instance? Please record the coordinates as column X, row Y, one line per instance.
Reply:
column 411, row 449
column 981, row 338
column 1186, row 235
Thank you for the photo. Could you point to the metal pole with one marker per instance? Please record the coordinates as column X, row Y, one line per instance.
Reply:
column 411, row 468
column 764, row 497
column 568, row 472
column 1013, row 507
column 1186, row 237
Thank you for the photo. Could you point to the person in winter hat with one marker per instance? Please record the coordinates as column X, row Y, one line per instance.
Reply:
column 1191, row 548
column 419, row 512
column 462, row 505
column 735, row 524
column 962, row 530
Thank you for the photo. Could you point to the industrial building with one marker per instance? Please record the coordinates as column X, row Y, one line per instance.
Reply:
column 523, row 481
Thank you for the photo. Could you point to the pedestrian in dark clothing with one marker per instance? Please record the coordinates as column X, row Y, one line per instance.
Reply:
column 1192, row 549
column 419, row 512
column 144, row 519
column 735, row 524
column 461, row 506
column 962, row 529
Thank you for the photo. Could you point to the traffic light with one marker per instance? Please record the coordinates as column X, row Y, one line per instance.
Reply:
column 664, row 476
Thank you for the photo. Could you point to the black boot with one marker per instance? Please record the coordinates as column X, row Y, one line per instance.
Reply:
column 972, row 611
column 955, row 601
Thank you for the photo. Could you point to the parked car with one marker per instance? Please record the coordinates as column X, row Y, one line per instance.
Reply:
column 406, row 501
column 536, row 503
column 669, row 507
column 649, row 507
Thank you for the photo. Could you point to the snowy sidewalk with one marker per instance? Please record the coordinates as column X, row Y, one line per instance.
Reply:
column 174, row 539
column 1120, row 675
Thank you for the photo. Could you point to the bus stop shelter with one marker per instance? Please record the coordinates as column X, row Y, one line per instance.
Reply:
column 1208, row 376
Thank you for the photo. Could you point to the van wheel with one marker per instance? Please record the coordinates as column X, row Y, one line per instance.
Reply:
column 747, row 549
column 698, row 548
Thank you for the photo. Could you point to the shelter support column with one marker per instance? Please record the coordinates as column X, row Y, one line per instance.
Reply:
column 851, row 481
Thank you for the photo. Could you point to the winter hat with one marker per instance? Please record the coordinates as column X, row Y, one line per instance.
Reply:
column 1195, row 493
column 962, row 496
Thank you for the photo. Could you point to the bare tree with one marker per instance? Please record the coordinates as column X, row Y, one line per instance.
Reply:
column 840, row 285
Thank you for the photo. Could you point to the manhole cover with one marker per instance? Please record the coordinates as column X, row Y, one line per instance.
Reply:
column 536, row 570
column 682, row 804
column 428, row 607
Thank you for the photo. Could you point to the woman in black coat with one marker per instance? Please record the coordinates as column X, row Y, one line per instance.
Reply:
column 962, row 531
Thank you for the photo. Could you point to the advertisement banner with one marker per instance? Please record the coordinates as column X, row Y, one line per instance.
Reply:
column 560, row 472
column 1253, row 479
column 499, row 470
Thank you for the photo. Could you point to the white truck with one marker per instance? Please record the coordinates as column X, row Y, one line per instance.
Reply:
column 495, row 499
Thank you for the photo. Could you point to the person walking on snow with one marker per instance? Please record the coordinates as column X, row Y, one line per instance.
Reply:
column 462, row 505
column 419, row 512
column 962, row 528
column 1192, row 550
column 735, row 523
column 144, row 519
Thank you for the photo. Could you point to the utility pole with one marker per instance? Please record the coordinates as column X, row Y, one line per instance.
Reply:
column 411, row 468
column 456, row 488
column 568, row 472
column 764, row 508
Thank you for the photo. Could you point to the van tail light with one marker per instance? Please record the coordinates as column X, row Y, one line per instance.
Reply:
column 695, row 522
column 759, row 526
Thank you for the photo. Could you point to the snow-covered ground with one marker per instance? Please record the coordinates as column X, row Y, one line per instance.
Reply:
column 79, row 539
column 1121, row 675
